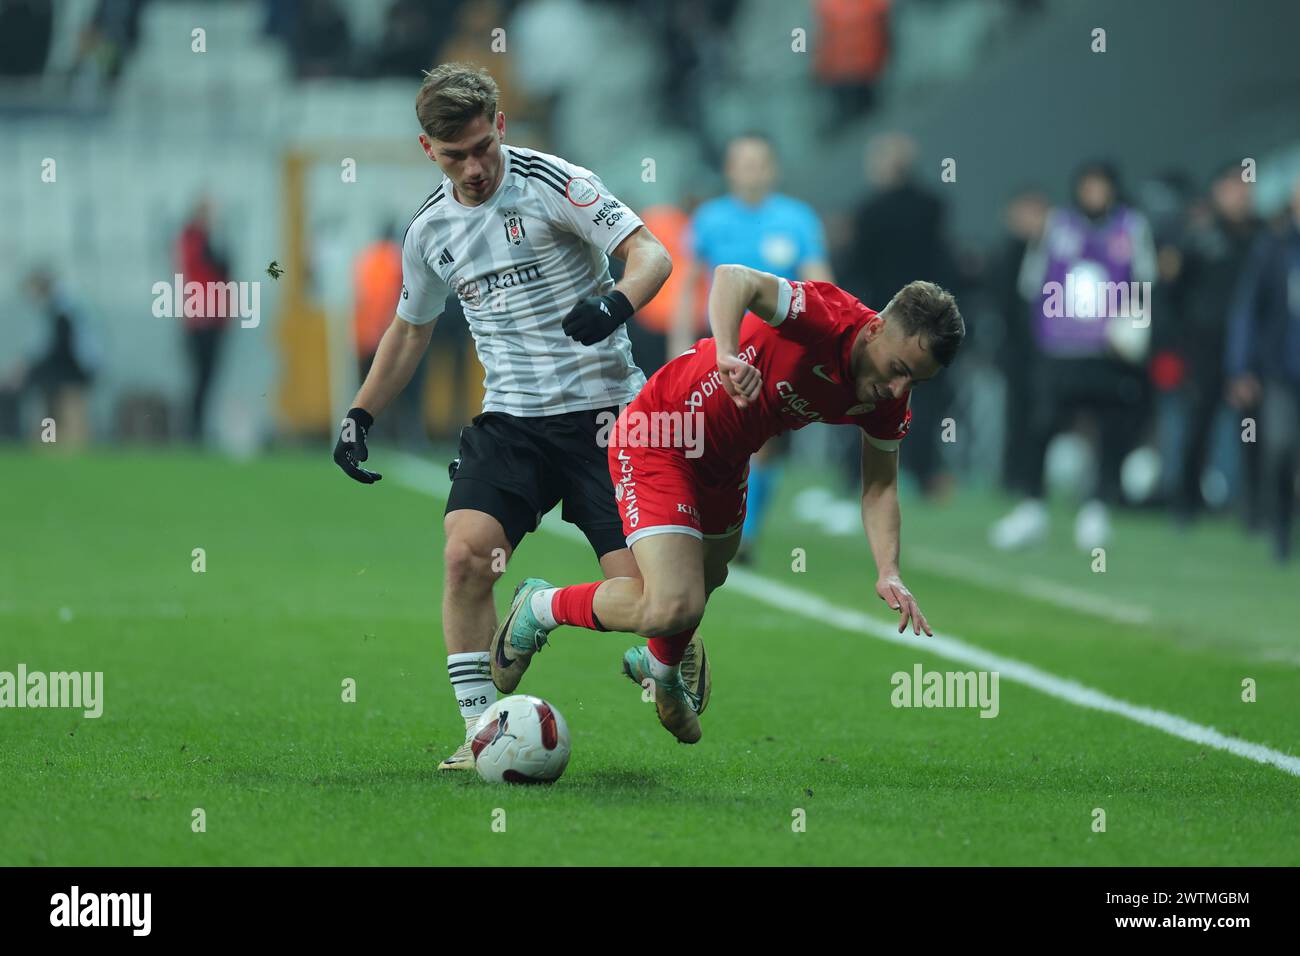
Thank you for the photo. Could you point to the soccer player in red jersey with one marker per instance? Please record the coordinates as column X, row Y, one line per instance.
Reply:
column 678, row 455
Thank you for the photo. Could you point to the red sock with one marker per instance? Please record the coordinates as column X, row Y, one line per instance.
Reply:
column 669, row 650
column 573, row 605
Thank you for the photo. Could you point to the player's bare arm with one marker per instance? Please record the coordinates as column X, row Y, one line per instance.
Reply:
column 737, row 290
column 648, row 265
column 882, row 521
column 399, row 353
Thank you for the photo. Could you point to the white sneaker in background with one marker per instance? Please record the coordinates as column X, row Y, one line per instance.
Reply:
column 1025, row 525
column 1092, row 526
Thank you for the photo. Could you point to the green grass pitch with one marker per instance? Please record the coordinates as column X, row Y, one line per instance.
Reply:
column 223, row 692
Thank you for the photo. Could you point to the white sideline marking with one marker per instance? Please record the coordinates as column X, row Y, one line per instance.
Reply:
column 809, row 605
column 421, row 476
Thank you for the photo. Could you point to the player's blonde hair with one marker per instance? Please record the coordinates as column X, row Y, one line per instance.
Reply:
column 452, row 96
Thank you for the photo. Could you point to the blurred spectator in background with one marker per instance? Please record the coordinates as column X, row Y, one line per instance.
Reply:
column 551, row 44
column 1025, row 218
column 897, row 235
column 57, row 364
column 1087, row 359
column 693, row 36
column 107, row 41
column 651, row 324
column 377, row 281
column 852, row 48
column 377, row 285
column 320, row 43
column 199, row 261
column 757, row 227
column 412, row 31
column 1218, row 239
column 1165, row 200
column 1263, row 364
column 472, row 43
column 26, row 27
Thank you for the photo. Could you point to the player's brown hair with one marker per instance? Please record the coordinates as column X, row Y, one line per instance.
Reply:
column 923, row 308
column 452, row 96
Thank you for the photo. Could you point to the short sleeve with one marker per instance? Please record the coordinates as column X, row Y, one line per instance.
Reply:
column 887, row 424
column 424, row 294
column 807, row 312
column 589, row 210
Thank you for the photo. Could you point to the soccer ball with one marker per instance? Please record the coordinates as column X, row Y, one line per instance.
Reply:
column 521, row 739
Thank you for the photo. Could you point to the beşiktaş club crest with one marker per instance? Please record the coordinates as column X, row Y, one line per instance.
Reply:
column 514, row 226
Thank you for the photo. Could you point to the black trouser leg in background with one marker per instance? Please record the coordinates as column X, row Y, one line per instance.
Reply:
column 204, row 346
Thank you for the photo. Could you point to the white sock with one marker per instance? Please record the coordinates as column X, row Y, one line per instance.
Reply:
column 659, row 670
column 540, row 603
column 471, row 679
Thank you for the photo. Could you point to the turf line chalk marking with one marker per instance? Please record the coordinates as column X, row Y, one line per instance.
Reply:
column 422, row 476
column 801, row 602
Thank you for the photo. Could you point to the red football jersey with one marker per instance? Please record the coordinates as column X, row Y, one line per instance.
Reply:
column 804, row 359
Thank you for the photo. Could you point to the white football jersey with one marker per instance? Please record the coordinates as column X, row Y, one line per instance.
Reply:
column 518, row 263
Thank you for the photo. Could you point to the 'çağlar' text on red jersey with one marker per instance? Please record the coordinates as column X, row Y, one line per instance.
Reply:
column 805, row 361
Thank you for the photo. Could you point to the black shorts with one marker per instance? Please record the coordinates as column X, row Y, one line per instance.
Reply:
column 518, row 469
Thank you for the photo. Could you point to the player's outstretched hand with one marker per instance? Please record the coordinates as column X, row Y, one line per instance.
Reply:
column 740, row 379
column 894, row 592
column 596, row 317
column 351, row 446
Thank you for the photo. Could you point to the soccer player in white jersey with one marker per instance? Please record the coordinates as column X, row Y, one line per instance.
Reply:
column 522, row 238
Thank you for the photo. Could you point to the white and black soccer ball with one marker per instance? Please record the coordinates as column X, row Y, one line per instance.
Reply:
column 521, row 739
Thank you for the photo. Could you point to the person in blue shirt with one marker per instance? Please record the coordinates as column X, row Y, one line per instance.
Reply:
column 754, row 226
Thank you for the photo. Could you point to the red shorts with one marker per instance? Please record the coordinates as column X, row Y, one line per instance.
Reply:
column 660, row 491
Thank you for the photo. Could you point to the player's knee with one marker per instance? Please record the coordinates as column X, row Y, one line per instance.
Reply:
column 671, row 615
column 469, row 568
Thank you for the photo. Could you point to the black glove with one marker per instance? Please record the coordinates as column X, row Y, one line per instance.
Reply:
column 351, row 447
column 597, row 316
